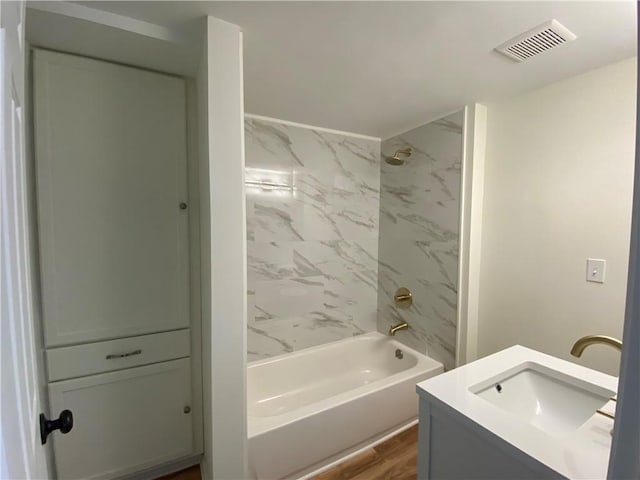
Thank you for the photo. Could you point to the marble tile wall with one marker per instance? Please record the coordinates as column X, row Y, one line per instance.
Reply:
column 419, row 227
column 313, row 205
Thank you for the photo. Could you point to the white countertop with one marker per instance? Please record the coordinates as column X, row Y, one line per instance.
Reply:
column 582, row 454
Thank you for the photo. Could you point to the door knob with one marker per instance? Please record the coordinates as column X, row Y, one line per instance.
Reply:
column 64, row 423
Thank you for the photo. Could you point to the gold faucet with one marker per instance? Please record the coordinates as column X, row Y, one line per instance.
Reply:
column 394, row 328
column 584, row 342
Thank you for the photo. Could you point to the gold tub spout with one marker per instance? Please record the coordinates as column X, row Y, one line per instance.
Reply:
column 584, row 342
column 394, row 328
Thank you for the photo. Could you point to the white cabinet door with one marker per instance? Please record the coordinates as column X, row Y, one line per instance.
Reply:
column 110, row 145
column 123, row 421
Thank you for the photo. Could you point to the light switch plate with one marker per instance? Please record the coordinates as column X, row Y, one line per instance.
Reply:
column 595, row 270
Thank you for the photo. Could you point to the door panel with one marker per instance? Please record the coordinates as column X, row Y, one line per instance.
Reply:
column 111, row 175
column 124, row 421
column 21, row 453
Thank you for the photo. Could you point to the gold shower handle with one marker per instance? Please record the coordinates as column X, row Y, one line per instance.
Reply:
column 403, row 298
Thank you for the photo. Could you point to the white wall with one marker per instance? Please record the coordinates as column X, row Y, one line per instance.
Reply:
column 558, row 188
column 223, row 251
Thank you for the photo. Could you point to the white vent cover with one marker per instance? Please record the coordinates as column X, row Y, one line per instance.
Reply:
column 536, row 41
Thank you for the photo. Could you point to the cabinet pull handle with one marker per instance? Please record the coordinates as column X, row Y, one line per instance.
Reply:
column 123, row 355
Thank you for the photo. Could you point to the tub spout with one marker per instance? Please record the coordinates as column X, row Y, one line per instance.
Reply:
column 394, row 328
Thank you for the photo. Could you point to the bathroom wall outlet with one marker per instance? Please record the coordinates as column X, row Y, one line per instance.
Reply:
column 595, row 270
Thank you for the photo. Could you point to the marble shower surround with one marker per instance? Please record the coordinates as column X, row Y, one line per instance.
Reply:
column 313, row 204
column 419, row 236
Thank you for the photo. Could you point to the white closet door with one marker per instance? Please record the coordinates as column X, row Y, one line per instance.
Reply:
column 124, row 421
column 21, row 453
column 111, row 175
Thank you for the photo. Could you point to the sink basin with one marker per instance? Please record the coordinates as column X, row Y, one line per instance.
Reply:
column 549, row 400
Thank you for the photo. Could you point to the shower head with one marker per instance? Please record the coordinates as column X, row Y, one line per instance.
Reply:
column 396, row 160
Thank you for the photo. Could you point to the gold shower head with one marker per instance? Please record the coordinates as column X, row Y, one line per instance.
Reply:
column 396, row 159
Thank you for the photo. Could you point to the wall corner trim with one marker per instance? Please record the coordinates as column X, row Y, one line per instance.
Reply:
column 471, row 205
column 224, row 254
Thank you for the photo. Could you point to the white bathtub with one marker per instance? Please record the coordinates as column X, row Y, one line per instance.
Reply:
column 307, row 409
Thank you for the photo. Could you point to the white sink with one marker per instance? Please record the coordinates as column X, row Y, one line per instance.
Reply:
column 546, row 413
column 555, row 403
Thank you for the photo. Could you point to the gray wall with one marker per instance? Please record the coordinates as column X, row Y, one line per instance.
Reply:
column 419, row 230
column 312, row 226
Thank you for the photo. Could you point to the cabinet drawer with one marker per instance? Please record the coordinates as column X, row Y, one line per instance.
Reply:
column 91, row 358
column 124, row 421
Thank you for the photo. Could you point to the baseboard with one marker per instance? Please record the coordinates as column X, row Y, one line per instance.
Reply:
column 165, row 469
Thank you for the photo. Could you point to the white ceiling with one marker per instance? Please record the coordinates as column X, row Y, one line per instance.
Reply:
column 380, row 68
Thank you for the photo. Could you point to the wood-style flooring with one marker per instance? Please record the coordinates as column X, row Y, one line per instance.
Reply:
column 192, row 473
column 393, row 459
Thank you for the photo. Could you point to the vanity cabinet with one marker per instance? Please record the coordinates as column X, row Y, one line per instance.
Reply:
column 125, row 421
column 517, row 413
column 449, row 449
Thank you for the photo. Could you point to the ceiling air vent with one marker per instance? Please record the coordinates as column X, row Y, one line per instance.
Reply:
column 536, row 41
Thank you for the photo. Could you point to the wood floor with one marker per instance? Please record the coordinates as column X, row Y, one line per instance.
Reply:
column 393, row 459
column 192, row 473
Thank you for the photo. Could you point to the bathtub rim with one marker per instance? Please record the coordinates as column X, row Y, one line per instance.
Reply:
column 323, row 346
column 425, row 365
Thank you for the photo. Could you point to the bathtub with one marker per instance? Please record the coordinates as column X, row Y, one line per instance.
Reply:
column 309, row 408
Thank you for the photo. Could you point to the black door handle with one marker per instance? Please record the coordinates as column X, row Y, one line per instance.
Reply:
column 64, row 423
